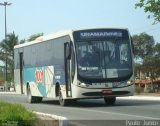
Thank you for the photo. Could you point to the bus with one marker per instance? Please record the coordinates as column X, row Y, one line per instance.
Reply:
column 76, row 64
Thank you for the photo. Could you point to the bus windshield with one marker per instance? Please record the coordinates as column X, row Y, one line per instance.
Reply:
column 104, row 59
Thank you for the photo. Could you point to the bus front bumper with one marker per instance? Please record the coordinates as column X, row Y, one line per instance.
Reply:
column 79, row 92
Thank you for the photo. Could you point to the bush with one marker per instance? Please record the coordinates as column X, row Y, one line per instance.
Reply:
column 16, row 113
column 148, row 88
column 136, row 89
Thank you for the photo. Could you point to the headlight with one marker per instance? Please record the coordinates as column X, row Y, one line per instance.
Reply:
column 83, row 84
column 129, row 82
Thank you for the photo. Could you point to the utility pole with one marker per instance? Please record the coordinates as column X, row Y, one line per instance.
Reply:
column 5, row 4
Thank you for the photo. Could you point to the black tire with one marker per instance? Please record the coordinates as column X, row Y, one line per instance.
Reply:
column 62, row 102
column 38, row 99
column 110, row 100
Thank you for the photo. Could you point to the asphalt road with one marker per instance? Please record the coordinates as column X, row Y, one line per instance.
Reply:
column 94, row 112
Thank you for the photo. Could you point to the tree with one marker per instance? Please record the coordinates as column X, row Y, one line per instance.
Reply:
column 149, row 53
column 152, row 6
column 138, row 68
column 157, row 50
column 144, row 45
column 7, row 50
column 157, row 59
column 22, row 41
column 33, row 37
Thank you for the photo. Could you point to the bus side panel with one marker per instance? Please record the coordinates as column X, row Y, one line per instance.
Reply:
column 49, row 81
column 17, row 81
column 34, row 76
column 37, row 58
column 40, row 80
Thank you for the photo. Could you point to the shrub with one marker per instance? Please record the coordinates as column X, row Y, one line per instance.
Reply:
column 16, row 113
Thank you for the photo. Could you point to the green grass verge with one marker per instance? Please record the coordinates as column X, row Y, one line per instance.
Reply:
column 15, row 113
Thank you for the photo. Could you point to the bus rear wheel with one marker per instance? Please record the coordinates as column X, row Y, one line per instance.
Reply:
column 38, row 99
column 62, row 101
column 32, row 99
column 110, row 100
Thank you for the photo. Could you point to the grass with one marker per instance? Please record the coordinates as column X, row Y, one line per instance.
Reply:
column 16, row 113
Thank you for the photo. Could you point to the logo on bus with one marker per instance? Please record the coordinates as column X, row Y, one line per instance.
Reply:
column 39, row 74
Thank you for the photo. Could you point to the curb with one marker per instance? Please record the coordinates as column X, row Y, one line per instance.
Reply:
column 63, row 121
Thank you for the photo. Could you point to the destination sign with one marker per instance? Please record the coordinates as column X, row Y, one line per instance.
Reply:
column 98, row 34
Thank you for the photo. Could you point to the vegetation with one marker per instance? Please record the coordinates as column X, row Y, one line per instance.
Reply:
column 7, row 51
column 2, row 77
column 148, row 53
column 151, row 6
column 144, row 45
column 16, row 113
column 33, row 37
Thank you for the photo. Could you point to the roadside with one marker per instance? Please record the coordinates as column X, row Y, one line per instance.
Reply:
column 94, row 109
column 148, row 94
column 17, row 115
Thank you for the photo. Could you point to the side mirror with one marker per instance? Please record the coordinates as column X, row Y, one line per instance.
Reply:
column 67, row 50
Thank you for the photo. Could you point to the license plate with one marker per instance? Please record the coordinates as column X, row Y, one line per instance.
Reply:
column 107, row 91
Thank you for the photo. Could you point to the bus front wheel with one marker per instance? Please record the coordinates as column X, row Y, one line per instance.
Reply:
column 62, row 101
column 110, row 100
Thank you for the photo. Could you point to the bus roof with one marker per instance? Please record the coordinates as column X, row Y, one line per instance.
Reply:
column 57, row 35
column 45, row 38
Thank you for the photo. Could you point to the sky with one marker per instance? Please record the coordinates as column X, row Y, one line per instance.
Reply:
column 28, row 17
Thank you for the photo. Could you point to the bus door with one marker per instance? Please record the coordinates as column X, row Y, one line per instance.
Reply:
column 21, row 70
column 67, row 59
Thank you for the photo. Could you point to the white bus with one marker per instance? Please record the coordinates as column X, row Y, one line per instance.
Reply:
column 76, row 64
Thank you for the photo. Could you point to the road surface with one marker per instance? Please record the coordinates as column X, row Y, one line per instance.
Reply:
column 94, row 111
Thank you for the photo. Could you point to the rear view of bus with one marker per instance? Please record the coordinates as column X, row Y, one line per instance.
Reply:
column 104, row 64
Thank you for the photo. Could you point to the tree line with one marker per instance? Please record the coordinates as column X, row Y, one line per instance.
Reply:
column 147, row 56
column 145, row 48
